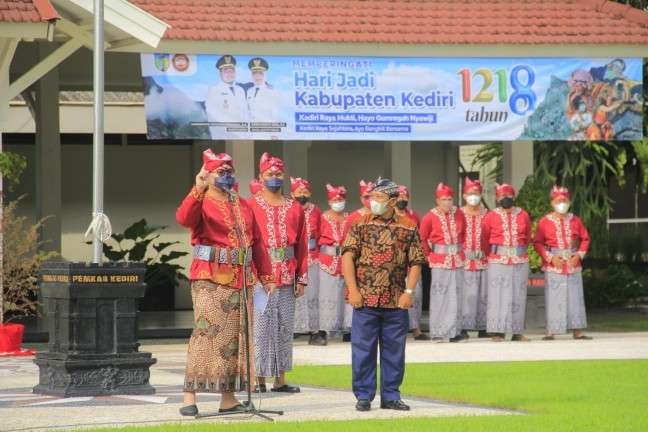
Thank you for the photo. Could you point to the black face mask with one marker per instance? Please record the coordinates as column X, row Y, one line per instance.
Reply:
column 401, row 205
column 302, row 199
column 507, row 202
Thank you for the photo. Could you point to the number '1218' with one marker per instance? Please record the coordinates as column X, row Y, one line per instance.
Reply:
column 521, row 100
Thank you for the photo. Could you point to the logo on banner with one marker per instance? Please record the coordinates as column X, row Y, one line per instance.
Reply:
column 180, row 62
column 162, row 62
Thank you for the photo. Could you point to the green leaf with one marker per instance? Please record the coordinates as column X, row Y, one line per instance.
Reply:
column 136, row 230
column 138, row 251
column 171, row 256
column 163, row 245
column 115, row 255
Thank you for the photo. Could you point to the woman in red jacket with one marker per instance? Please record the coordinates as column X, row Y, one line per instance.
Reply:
column 562, row 241
column 507, row 232
column 222, row 236
column 333, row 228
column 442, row 232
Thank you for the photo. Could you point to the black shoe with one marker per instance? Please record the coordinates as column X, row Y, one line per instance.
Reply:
column 318, row 340
column 397, row 405
column 346, row 337
column 286, row 388
column 457, row 338
column 483, row 334
column 235, row 409
column 422, row 337
column 464, row 334
column 363, row 405
column 189, row 410
column 261, row 388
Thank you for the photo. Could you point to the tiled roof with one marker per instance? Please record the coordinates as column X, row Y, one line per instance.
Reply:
column 27, row 11
column 403, row 21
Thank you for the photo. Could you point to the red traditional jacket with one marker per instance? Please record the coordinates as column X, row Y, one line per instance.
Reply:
column 474, row 241
column 411, row 214
column 503, row 228
column 312, row 215
column 447, row 229
column 280, row 226
column 332, row 233
column 356, row 215
column 212, row 224
column 561, row 234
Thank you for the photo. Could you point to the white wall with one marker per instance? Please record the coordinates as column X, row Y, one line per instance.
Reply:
column 141, row 182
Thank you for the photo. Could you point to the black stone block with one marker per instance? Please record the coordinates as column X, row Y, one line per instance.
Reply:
column 92, row 319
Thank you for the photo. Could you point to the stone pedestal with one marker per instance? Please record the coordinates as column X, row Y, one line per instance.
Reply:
column 535, row 306
column 92, row 320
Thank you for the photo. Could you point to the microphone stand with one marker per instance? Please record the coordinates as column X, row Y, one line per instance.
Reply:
column 249, row 405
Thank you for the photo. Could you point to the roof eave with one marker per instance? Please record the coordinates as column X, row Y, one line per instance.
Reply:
column 23, row 30
column 130, row 19
column 394, row 49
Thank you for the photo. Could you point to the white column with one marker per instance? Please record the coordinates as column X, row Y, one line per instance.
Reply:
column 451, row 168
column 517, row 162
column 243, row 153
column 398, row 162
column 295, row 156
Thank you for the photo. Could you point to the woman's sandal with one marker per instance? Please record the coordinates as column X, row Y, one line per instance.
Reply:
column 235, row 409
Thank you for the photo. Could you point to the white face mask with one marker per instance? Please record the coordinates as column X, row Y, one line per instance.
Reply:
column 338, row 206
column 561, row 207
column 378, row 208
column 473, row 200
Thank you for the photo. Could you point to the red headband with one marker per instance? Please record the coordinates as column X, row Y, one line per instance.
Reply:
column 559, row 192
column 333, row 192
column 470, row 185
column 365, row 187
column 444, row 191
column 402, row 190
column 504, row 189
column 212, row 161
column 271, row 163
column 296, row 183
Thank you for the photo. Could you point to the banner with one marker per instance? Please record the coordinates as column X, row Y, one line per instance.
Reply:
column 385, row 99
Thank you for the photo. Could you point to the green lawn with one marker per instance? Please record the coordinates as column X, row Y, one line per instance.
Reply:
column 617, row 321
column 559, row 396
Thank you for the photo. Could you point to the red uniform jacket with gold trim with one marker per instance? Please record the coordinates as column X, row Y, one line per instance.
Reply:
column 312, row 215
column 504, row 228
column 332, row 233
column 280, row 226
column 438, row 228
column 212, row 224
column 474, row 241
column 555, row 232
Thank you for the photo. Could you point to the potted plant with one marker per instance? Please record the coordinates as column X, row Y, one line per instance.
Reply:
column 21, row 260
column 139, row 243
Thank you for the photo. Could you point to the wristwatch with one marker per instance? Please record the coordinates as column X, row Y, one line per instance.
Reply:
column 409, row 291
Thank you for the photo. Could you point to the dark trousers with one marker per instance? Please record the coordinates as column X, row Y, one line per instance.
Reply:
column 372, row 327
